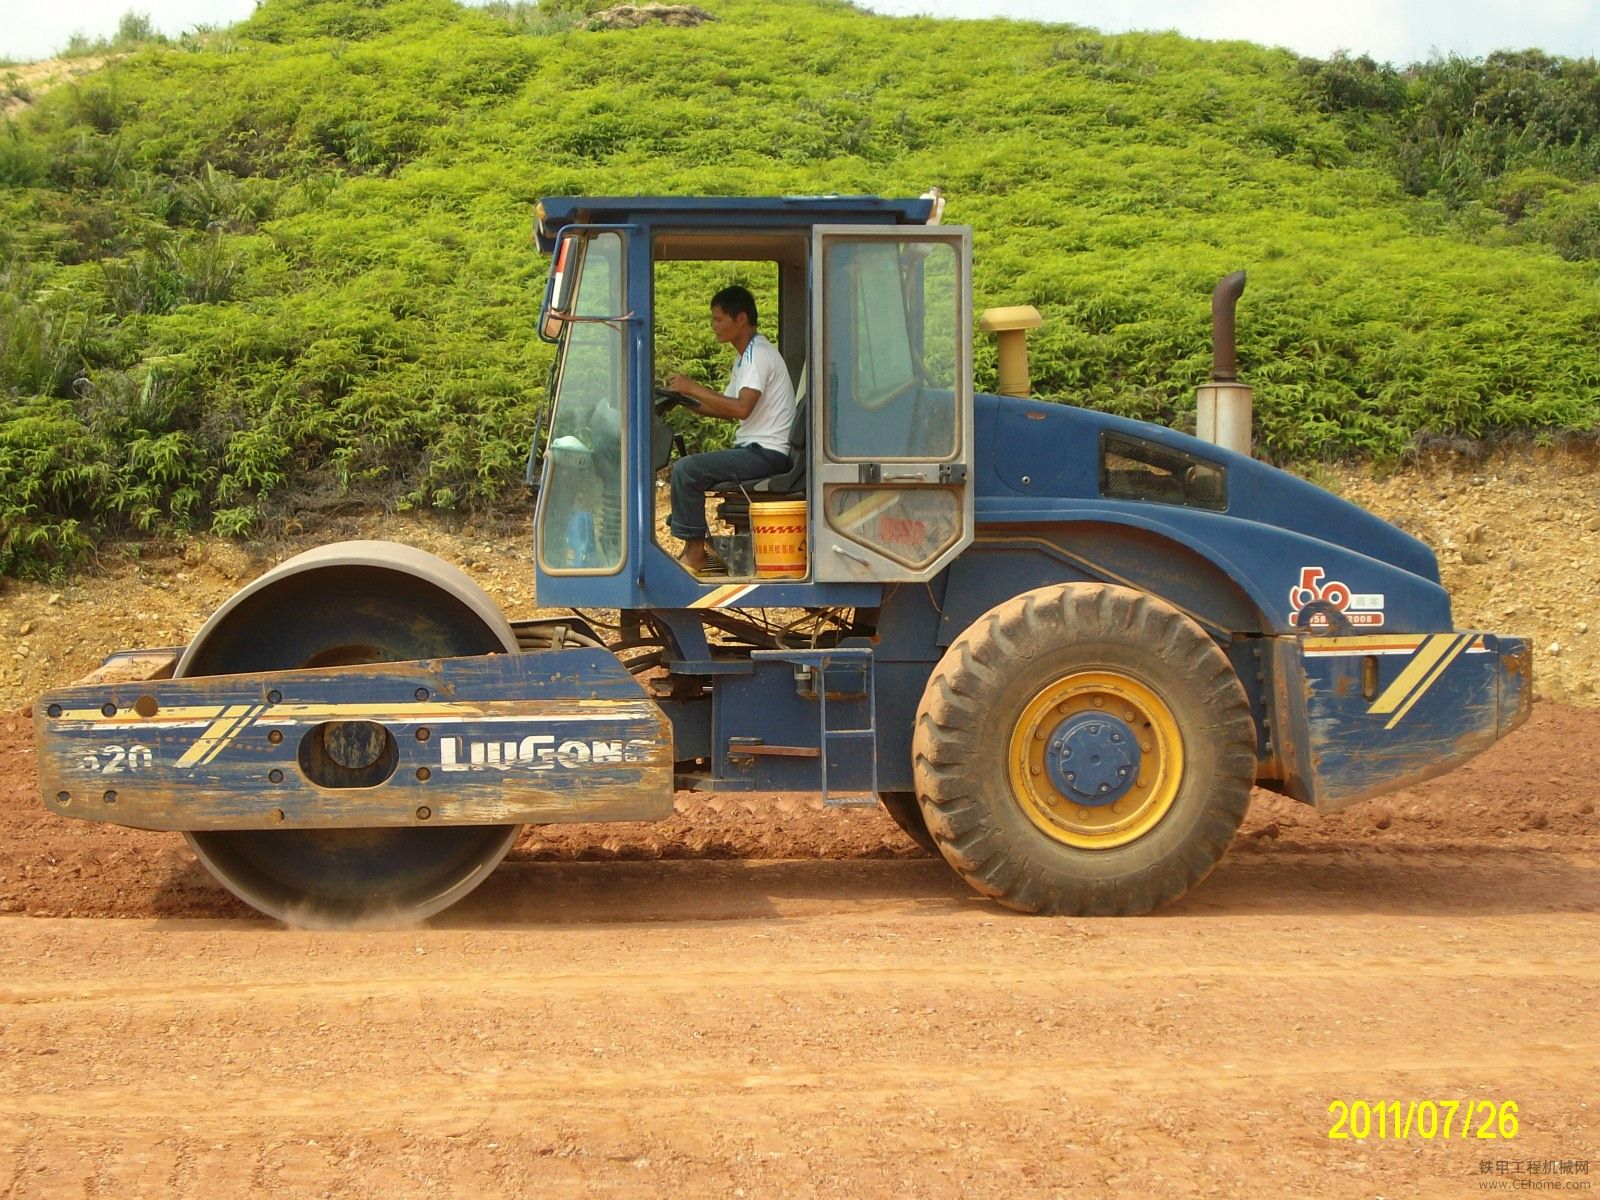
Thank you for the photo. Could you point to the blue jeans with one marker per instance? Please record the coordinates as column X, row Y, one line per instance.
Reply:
column 694, row 473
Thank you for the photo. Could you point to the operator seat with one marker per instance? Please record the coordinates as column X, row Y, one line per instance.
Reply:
column 737, row 497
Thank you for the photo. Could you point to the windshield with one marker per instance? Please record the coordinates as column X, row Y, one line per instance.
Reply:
column 581, row 518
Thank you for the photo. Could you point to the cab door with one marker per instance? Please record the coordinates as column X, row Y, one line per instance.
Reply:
column 891, row 408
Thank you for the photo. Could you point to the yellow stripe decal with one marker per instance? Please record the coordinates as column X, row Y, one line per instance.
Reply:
column 1433, row 677
column 239, row 727
column 203, row 745
column 1427, row 655
column 1375, row 643
column 481, row 710
column 203, row 712
column 709, row 600
column 398, row 712
column 723, row 596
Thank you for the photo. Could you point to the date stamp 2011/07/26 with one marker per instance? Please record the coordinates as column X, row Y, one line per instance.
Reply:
column 1394, row 1120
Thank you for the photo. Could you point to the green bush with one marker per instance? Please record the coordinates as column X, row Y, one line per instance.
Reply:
column 290, row 260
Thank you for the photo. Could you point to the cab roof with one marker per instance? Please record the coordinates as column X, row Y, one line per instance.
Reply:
column 756, row 212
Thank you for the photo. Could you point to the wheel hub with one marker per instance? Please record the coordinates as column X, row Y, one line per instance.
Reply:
column 1093, row 758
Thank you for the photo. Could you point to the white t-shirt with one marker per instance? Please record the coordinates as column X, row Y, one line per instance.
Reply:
column 762, row 367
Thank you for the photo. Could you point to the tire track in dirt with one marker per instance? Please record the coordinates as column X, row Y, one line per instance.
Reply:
column 879, row 1084
column 854, row 1053
column 502, row 987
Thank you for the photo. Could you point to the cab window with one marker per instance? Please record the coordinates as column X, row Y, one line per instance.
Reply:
column 891, row 336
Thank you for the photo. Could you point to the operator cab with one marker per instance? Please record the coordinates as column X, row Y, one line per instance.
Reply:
column 868, row 302
column 687, row 267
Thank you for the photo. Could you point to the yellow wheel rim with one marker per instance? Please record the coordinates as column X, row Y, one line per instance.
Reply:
column 1091, row 715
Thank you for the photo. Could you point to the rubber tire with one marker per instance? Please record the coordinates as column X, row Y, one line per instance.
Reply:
column 906, row 812
column 980, row 688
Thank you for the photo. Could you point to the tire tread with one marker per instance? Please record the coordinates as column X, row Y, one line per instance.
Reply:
column 953, row 767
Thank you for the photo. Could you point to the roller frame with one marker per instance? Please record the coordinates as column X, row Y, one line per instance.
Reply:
column 566, row 735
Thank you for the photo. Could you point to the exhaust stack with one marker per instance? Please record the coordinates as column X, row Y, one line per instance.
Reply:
column 1223, row 406
column 1010, row 327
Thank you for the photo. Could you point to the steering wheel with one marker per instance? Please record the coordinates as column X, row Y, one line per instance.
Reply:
column 663, row 441
column 666, row 401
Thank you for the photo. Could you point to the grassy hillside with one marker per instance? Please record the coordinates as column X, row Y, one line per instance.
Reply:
column 289, row 262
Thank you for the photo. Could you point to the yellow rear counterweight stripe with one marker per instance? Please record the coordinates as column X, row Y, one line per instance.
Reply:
column 1428, row 654
column 1433, row 678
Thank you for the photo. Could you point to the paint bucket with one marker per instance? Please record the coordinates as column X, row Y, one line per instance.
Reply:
column 779, row 529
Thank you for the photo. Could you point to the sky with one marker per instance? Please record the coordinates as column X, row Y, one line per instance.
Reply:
column 1399, row 31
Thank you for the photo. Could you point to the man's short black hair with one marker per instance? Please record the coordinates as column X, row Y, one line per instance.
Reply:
column 735, row 300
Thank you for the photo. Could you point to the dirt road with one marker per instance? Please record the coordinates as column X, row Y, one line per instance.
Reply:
column 847, row 1029
column 667, row 1010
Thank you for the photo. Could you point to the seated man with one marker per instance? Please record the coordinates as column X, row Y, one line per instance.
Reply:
column 759, row 397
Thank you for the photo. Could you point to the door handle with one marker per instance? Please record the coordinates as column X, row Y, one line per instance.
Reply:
column 855, row 558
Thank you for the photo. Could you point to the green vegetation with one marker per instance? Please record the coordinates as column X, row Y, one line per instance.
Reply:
column 133, row 30
column 286, row 262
